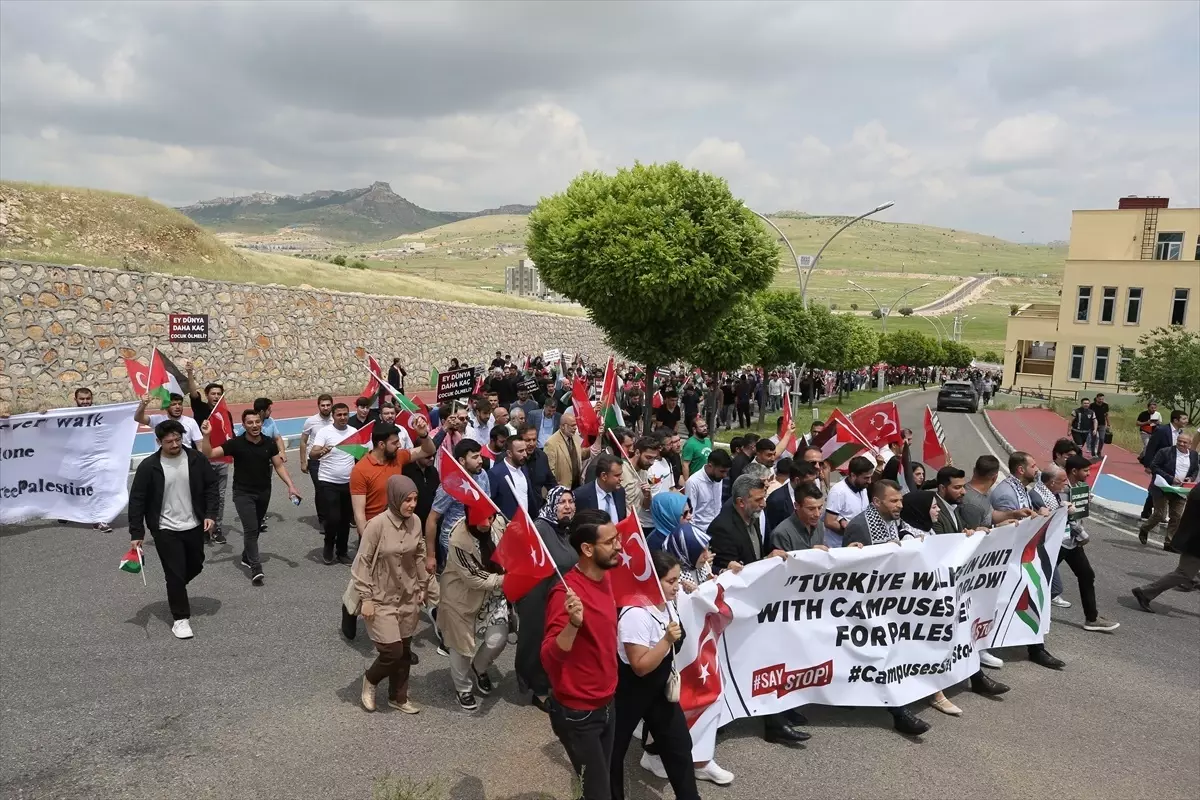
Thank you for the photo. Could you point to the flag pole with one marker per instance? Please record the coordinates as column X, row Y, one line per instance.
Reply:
column 141, row 565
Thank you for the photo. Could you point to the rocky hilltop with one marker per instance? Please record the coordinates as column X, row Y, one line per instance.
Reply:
column 369, row 214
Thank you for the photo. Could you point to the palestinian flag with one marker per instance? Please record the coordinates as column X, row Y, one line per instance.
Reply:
column 163, row 379
column 1182, row 491
column 838, row 444
column 1032, row 557
column 1028, row 612
column 610, row 412
column 132, row 561
column 358, row 443
column 375, row 383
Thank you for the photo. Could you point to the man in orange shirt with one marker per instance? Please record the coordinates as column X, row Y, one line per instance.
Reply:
column 368, row 479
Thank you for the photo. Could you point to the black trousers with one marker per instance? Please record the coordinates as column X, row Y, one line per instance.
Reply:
column 587, row 736
column 314, row 466
column 338, row 516
column 645, row 698
column 251, row 509
column 1077, row 560
column 743, row 412
column 181, row 554
column 394, row 662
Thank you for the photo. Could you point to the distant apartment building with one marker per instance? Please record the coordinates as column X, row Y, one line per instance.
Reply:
column 1129, row 270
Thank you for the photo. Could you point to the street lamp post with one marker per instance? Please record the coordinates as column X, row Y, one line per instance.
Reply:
column 883, row 315
column 795, row 260
column 817, row 257
column 936, row 329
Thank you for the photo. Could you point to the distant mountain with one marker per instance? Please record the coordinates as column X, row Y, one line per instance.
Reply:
column 372, row 214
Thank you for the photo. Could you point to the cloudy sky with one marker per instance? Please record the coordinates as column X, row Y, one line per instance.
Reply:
column 997, row 117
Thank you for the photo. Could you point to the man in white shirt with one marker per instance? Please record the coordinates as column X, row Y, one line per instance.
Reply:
column 775, row 390
column 703, row 489
column 191, row 431
column 322, row 419
column 1172, row 467
column 848, row 499
column 480, row 422
column 654, row 473
column 333, row 482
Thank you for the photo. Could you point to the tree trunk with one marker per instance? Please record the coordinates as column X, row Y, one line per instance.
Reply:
column 648, row 401
column 710, row 406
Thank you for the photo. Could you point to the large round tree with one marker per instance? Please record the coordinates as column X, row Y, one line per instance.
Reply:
column 656, row 254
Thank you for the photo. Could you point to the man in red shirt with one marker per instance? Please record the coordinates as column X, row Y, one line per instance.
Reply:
column 579, row 652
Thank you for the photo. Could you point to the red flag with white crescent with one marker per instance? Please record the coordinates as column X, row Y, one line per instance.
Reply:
column 524, row 557
column 633, row 580
column 373, row 385
column 879, row 422
column 700, row 680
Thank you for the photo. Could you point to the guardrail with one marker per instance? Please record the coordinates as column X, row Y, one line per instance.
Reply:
column 1086, row 389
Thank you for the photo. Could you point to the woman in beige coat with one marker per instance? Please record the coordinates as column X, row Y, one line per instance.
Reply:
column 473, row 612
column 389, row 576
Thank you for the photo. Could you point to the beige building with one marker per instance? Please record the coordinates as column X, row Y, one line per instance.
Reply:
column 1128, row 271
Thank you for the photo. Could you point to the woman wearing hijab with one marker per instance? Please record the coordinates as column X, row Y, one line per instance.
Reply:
column 917, row 516
column 551, row 524
column 674, row 533
column 390, row 579
column 647, row 637
column 472, row 612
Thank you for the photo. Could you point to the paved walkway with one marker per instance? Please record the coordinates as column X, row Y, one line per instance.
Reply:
column 1035, row 430
column 290, row 409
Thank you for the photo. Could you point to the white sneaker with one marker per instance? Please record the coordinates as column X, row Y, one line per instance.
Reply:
column 637, row 732
column 712, row 771
column 182, row 629
column 1058, row 602
column 986, row 659
column 653, row 765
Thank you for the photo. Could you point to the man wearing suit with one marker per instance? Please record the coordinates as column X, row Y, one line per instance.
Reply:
column 606, row 492
column 510, row 483
column 565, row 454
column 950, row 491
column 1171, row 466
column 735, row 536
column 545, row 420
column 781, row 503
column 536, row 463
column 1162, row 436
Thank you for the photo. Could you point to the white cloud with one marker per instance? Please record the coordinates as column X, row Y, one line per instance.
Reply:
column 1024, row 140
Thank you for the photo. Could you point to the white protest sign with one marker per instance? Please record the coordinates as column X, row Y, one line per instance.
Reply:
column 882, row 626
column 69, row 463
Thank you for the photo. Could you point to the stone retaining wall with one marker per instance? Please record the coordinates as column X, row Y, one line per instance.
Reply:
column 71, row 326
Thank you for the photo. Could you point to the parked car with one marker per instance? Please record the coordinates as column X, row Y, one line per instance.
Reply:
column 959, row 395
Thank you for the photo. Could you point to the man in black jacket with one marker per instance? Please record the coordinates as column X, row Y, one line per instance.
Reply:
column 1171, row 466
column 737, row 536
column 174, row 494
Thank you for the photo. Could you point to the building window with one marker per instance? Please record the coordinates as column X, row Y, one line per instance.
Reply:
column 1083, row 304
column 1179, row 307
column 1133, row 306
column 1123, row 367
column 1100, row 365
column 1076, row 362
column 1169, row 248
column 1108, row 305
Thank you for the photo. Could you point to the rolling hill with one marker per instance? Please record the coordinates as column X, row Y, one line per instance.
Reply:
column 354, row 215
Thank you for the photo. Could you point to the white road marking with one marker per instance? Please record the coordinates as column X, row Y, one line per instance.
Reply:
column 988, row 445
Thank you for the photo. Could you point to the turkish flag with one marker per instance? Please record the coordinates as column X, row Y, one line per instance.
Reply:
column 879, row 422
column 700, row 680
column 221, row 428
column 1094, row 472
column 139, row 376
column 934, row 448
column 373, row 385
column 848, row 426
column 633, row 580
column 585, row 414
column 523, row 556
column 459, row 484
column 788, row 440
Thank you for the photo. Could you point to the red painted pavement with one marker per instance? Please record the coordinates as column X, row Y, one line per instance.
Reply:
column 287, row 409
column 1035, row 430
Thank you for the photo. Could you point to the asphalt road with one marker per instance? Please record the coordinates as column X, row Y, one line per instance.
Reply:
column 98, row 700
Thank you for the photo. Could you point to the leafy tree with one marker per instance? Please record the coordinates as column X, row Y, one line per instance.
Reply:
column 833, row 306
column 992, row 357
column 655, row 253
column 854, row 306
column 1166, row 369
column 1013, row 309
column 846, row 342
column 359, row 264
column 876, row 313
column 956, row 354
column 339, row 259
column 736, row 339
column 909, row 348
column 906, row 311
column 791, row 331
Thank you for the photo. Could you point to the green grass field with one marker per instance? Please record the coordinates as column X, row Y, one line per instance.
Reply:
column 803, row 415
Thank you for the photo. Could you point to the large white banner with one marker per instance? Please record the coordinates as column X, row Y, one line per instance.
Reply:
column 69, row 463
column 881, row 626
